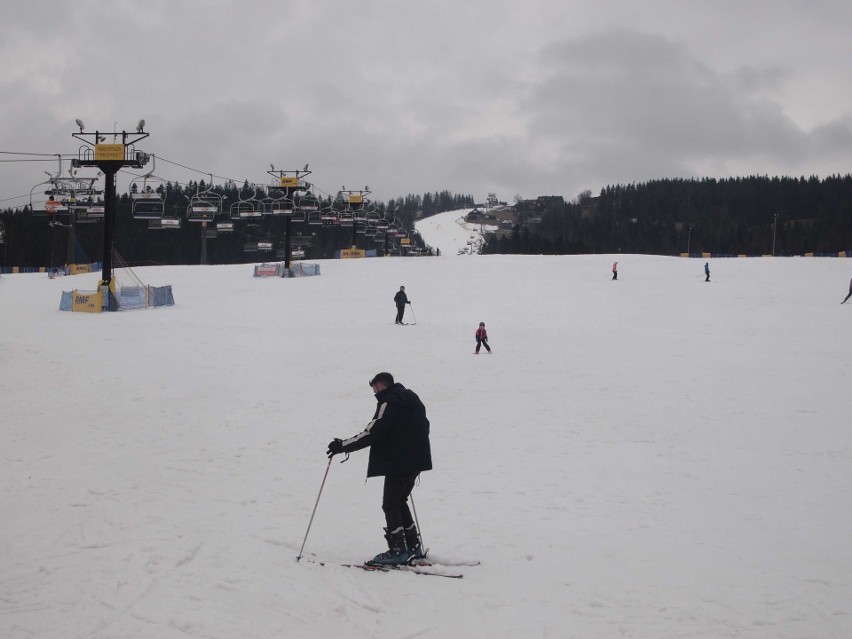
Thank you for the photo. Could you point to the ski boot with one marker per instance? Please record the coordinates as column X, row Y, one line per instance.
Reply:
column 412, row 540
column 397, row 553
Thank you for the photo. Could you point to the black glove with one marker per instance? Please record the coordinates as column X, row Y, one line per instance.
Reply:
column 408, row 302
column 335, row 447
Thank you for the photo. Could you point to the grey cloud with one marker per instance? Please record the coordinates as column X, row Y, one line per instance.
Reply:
column 476, row 97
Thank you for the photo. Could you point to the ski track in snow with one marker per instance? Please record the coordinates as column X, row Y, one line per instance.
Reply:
column 647, row 457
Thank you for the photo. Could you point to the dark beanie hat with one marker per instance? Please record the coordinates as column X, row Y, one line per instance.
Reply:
column 385, row 378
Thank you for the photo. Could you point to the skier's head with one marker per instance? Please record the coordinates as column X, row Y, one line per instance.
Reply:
column 482, row 324
column 401, row 288
column 381, row 381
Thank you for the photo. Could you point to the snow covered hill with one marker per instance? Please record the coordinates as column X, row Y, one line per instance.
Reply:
column 449, row 233
column 651, row 457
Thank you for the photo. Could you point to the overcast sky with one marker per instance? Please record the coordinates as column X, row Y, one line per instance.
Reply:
column 518, row 98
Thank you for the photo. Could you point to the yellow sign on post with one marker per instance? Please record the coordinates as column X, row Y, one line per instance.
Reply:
column 288, row 181
column 109, row 152
column 86, row 302
column 356, row 199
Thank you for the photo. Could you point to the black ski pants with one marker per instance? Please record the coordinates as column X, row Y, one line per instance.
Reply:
column 395, row 500
column 482, row 342
column 400, row 311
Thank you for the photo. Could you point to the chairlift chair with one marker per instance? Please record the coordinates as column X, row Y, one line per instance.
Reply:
column 148, row 202
column 165, row 224
column 276, row 206
column 328, row 217
column 306, row 201
column 246, row 208
column 96, row 210
column 204, row 206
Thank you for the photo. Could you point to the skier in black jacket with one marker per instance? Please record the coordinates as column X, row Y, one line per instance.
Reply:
column 398, row 437
column 401, row 299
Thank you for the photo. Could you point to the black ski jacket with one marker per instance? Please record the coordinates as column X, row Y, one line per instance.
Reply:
column 398, row 435
column 400, row 298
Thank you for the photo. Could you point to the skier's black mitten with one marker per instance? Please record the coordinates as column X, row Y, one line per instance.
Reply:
column 408, row 302
column 335, row 447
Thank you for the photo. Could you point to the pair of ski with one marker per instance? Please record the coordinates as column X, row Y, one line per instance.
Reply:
column 418, row 567
column 424, row 566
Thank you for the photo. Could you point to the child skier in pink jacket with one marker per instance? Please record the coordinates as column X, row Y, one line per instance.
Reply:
column 482, row 338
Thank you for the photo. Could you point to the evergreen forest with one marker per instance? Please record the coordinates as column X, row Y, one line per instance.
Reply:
column 755, row 215
column 32, row 240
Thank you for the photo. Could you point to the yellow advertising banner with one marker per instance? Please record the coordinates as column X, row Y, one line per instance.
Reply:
column 405, row 241
column 76, row 269
column 288, row 181
column 356, row 199
column 109, row 152
column 86, row 302
column 350, row 253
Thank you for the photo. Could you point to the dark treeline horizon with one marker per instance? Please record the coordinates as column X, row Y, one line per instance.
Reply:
column 30, row 241
column 732, row 216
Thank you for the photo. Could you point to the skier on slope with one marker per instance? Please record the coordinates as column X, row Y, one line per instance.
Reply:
column 615, row 270
column 398, row 437
column 401, row 299
column 707, row 271
column 850, row 293
column 482, row 338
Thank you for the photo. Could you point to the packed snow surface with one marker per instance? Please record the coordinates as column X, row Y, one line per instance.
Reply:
column 653, row 457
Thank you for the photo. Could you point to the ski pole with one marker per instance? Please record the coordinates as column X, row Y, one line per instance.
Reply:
column 413, row 316
column 417, row 523
column 315, row 510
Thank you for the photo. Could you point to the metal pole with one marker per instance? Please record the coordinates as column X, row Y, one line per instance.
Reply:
column 72, row 236
column 417, row 523
column 109, row 221
column 774, row 228
column 315, row 510
column 288, row 252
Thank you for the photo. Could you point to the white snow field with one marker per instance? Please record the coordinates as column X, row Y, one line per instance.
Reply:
column 655, row 457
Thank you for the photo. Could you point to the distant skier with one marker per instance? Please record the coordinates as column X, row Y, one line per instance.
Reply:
column 482, row 338
column 615, row 270
column 850, row 292
column 707, row 271
column 398, row 437
column 401, row 300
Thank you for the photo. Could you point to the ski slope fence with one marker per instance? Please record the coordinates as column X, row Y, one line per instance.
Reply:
column 64, row 269
column 277, row 269
column 126, row 298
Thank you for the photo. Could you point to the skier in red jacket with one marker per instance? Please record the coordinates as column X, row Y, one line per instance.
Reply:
column 482, row 338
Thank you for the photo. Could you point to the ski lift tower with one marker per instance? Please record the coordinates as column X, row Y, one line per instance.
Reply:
column 109, row 158
column 356, row 204
column 288, row 183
